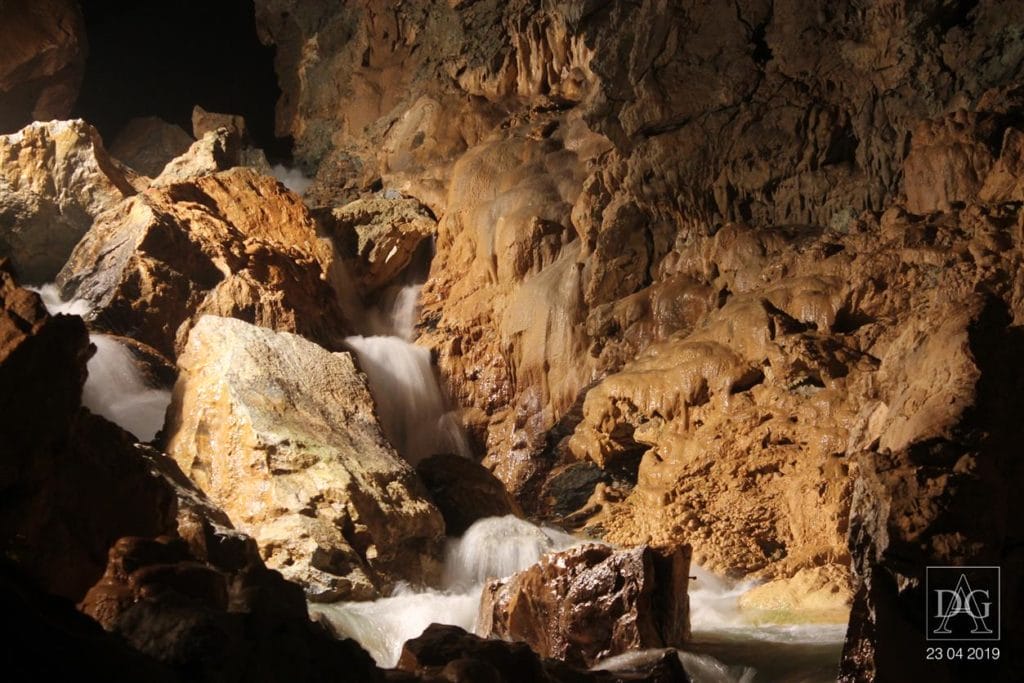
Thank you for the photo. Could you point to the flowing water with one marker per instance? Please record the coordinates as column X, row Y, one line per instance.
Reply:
column 494, row 547
column 115, row 388
column 727, row 646
column 410, row 405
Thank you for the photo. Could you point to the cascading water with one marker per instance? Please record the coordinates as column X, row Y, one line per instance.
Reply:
column 115, row 387
column 494, row 547
column 409, row 402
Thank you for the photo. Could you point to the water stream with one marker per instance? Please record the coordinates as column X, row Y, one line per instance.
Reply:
column 410, row 405
column 115, row 387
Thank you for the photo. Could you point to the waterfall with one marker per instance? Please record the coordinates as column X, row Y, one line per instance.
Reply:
column 494, row 547
column 410, row 404
column 115, row 387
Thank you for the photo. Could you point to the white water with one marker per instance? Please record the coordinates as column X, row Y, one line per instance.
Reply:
column 292, row 178
column 409, row 401
column 115, row 387
column 494, row 547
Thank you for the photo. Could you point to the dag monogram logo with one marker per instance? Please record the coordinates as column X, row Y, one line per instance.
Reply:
column 963, row 603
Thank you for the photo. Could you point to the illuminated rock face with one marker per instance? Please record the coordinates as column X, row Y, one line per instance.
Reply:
column 592, row 602
column 42, row 61
column 233, row 243
column 282, row 435
column 55, row 178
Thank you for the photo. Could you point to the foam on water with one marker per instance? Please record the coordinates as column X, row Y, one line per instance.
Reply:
column 494, row 547
column 292, row 178
column 115, row 387
column 117, row 390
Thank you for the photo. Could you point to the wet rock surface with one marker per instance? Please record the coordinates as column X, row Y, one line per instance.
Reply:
column 464, row 491
column 447, row 653
column 591, row 602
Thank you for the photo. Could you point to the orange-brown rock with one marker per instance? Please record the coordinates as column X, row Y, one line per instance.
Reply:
column 379, row 237
column 282, row 435
column 235, row 243
column 591, row 602
column 42, row 60
column 55, row 178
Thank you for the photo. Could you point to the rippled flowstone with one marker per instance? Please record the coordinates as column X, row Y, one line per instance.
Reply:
column 235, row 243
column 282, row 435
column 55, row 178
column 591, row 602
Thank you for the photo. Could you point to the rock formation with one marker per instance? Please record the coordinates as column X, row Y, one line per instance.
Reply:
column 55, row 178
column 42, row 60
column 745, row 276
column 464, row 491
column 450, row 654
column 148, row 144
column 282, row 435
column 590, row 602
column 234, row 243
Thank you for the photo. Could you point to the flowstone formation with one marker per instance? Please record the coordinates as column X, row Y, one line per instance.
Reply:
column 743, row 276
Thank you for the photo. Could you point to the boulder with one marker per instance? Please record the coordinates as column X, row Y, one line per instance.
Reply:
column 591, row 602
column 234, row 243
column 382, row 236
column 148, row 144
column 464, row 491
column 212, row 623
column 42, row 60
column 72, row 482
column 204, row 122
column 449, row 653
column 218, row 150
column 281, row 434
column 55, row 178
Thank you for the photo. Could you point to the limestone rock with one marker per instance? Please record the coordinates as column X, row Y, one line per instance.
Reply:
column 452, row 654
column 464, row 491
column 939, row 490
column 204, row 122
column 149, row 143
column 218, row 150
column 590, row 602
column 949, row 160
column 55, row 178
column 282, row 435
column 235, row 243
column 42, row 60
column 385, row 234
column 208, row 622
column 812, row 595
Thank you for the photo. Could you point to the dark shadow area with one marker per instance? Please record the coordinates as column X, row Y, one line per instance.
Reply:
column 161, row 59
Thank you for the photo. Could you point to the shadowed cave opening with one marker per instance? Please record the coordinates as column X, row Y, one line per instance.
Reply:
column 181, row 54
